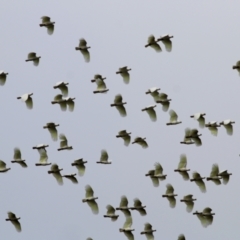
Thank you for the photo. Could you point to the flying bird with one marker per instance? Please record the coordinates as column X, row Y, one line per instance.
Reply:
column 152, row 42
column 3, row 167
column 214, row 175
column 151, row 112
column 71, row 177
column 213, row 127
column 111, row 213
column 101, row 85
column 228, row 126
column 189, row 201
column 84, row 49
column 127, row 228
column 14, row 220
column 198, row 179
column 119, row 104
column 182, row 167
column 3, row 77
column 104, row 158
column 141, row 142
column 173, row 118
column 166, row 40
column 200, row 118
column 139, row 207
column 170, row 195
column 148, row 231
column 79, row 164
column 51, row 126
column 55, row 171
column 63, row 86
column 32, row 56
column 205, row 217
column 123, row 206
column 17, row 156
column 125, row 136
column 123, row 71
column 90, row 199
column 43, row 161
column 27, row 99
column 64, row 143
column 164, row 100
column 46, row 22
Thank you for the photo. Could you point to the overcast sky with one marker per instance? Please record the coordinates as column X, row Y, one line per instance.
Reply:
column 197, row 75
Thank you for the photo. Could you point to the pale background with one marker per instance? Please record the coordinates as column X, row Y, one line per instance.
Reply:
column 197, row 75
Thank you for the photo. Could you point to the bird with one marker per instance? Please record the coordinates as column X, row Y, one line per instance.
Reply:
column 123, row 71
column 189, row 201
column 3, row 77
column 205, row 217
column 46, row 22
column 17, row 156
column 55, row 171
column 43, row 161
column 213, row 127
column 123, row 206
column 41, row 146
column 32, row 56
column 166, row 40
column 225, row 176
column 125, row 136
column 152, row 42
column 155, row 181
column 170, row 195
column 182, row 167
column 51, row 126
column 63, row 86
column 58, row 99
column 101, row 86
column 148, row 231
column 90, row 199
column 141, row 141
column 228, row 126
column 98, row 76
column 200, row 118
column 194, row 135
column 3, row 167
column 82, row 46
column 111, row 213
column 164, row 100
column 173, row 118
column 119, row 104
column 154, row 92
column 214, row 175
column 127, row 228
column 181, row 237
column 196, row 177
column 158, row 173
column 139, row 207
column 104, row 158
column 151, row 112
column 64, row 143
column 27, row 99
column 14, row 220
column 79, row 164
column 237, row 66
column 71, row 177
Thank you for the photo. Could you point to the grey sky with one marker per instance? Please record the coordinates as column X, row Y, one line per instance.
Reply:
column 197, row 75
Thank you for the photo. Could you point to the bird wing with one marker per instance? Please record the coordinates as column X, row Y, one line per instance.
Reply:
column 158, row 169
column 89, row 191
column 58, row 177
column 124, row 201
column 43, row 155
column 63, row 106
column 147, row 226
column 110, row 209
column 201, row 121
column 17, row 154
column 50, row 29
column 85, row 54
column 197, row 141
column 100, row 84
column 185, row 175
column 190, row 206
column 17, row 225
column 128, row 222
column 118, row 98
column 129, row 235
column 156, row 47
column 169, row 189
column 229, row 129
column 31, row 55
column 82, row 42
column 70, row 104
column 207, row 210
column 163, row 96
column 36, row 61
column 215, row 170
column 104, row 156
column 213, row 130
column 201, row 185
column 181, row 237
column 172, row 201
column 137, row 202
column 64, row 142
column 126, row 77
column 168, row 44
column 183, row 161
column 81, row 169
column 54, row 133
column 149, row 236
column 45, row 19
column 173, row 116
column 122, row 111
column 152, row 114
column 94, row 206
column 54, row 167
column 64, row 89
column 58, row 97
column 3, row 78
column 127, row 140
column 155, row 181
column 29, row 103
column 2, row 165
